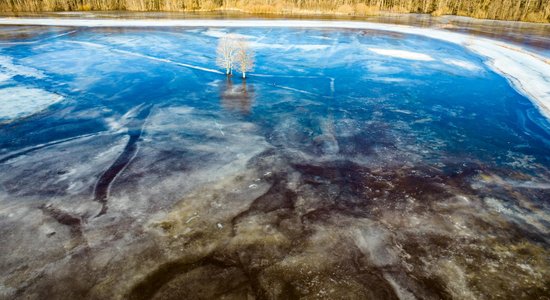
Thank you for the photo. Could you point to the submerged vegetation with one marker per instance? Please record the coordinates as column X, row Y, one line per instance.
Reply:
column 517, row 10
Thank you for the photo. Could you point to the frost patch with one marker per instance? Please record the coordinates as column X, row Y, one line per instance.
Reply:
column 387, row 79
column 18, row 102
column 219, row 34
column 462, row 64
column 4, row 77
column 402, row 54
column 306, row 47
column 8, row 70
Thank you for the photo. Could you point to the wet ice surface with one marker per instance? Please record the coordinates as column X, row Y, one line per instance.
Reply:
column 351, row 164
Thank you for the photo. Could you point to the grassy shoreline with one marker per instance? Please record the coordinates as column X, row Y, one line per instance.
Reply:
column 523, row 10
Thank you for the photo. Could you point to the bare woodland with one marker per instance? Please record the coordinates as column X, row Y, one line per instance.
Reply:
column 517, row 10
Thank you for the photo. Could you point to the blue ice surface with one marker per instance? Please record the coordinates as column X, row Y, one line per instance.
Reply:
column 307, row 83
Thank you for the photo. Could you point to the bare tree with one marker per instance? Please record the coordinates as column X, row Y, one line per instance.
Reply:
column 245, row 56
column 226, row 52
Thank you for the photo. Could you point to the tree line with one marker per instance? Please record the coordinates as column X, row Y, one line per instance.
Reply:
column 517, row 10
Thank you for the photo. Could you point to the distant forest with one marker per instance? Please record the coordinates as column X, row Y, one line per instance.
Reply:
column 517, row 10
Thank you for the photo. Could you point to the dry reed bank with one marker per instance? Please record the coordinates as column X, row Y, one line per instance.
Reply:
column 517, row 10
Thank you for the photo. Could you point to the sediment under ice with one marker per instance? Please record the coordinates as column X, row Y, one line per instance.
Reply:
column 171, row 201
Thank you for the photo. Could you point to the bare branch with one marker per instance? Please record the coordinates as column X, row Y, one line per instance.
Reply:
column 226, row 52
column 245, row 56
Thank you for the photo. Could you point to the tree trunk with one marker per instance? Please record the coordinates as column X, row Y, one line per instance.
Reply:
column 244, row 75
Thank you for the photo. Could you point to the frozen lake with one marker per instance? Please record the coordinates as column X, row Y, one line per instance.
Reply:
column 352, row 163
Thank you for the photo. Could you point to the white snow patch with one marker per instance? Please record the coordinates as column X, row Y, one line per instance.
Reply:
column 220, row 34
column 462, row 64
column 402, row 54
column 326, row 38
column 529, row 73
column 18, row 102
column 377, row 67
column 306, row 47
column 311, row 47
column 4, row 77
column 8, row 70
column 388, row 79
